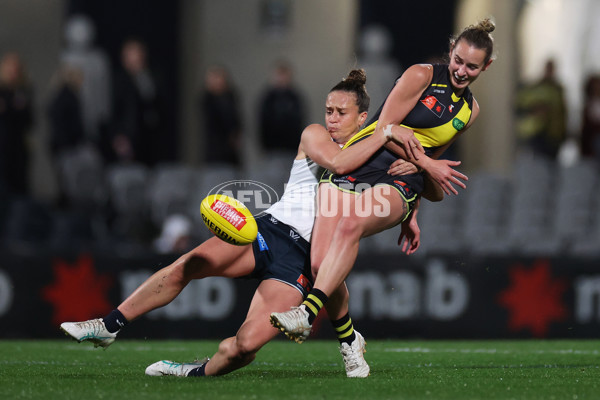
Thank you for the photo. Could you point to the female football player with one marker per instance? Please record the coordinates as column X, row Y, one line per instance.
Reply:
column 279, row 260
column 434, row 102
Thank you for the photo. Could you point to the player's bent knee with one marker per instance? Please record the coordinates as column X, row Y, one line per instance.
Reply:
column 246, row 346
column 349, row 227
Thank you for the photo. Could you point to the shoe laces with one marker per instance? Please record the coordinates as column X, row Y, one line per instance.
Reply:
column 351, row 356
column 92, row 324
column 299, row 312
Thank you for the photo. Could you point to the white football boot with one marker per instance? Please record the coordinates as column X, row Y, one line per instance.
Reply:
column 354, row 361
column 166, row 367
column 92, row 330
column 293, row 323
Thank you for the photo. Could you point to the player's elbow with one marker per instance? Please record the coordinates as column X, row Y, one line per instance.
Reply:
column 339, row 169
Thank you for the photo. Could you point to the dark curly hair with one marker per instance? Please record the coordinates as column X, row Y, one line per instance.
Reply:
column 355, row 83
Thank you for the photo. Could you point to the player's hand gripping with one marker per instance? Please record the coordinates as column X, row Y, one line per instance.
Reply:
column 406, row 138
column 402, row 167
column 441, row 171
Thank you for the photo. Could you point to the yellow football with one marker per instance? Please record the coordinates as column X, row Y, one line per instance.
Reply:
column 229, row 219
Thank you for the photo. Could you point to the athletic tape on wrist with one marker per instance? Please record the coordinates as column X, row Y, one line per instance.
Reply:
column 387, row 132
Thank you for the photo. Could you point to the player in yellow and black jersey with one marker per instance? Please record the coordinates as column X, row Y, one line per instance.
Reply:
column 434, row 104
column 435, row 120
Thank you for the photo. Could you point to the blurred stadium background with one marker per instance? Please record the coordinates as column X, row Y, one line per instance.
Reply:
column 515, row 255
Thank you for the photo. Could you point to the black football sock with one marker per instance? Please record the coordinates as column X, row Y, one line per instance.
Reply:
column 313, row 303
column 344, row 329
column 114, row 321
column 198, row 371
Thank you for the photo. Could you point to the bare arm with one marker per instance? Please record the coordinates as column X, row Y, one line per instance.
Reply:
column 316, row 143
column 402, row 99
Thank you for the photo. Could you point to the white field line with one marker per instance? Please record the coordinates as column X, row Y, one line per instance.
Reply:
column 488, row 351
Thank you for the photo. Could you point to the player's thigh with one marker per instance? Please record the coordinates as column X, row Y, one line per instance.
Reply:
column 215, row 257
column 331, row 205
column 270, row 296
column 379, row 208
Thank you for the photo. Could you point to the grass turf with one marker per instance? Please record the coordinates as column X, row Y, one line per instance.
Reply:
column 531, row 369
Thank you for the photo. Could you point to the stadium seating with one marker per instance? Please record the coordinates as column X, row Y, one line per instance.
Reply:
column 28, row 226
column 82, row 176
column 541, row 208
column 169, row 190
column 127, row 185
column 441, row 225
column 203, row 181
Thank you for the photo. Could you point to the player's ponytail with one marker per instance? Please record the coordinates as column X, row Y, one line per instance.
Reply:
column 355, row 83
column 478, row 35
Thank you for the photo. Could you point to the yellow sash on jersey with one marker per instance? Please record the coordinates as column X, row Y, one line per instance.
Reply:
column 364, row 132
column 429, row 137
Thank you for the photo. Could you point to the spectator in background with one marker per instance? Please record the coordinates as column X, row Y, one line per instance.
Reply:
column 138, row 116
column 65, row 119
column 590, row 131
column 541, row 114
column 15, row 121
column 222, row 118
column 94, row 90
column 281, row 112
column 65, row 111
column 176, row 235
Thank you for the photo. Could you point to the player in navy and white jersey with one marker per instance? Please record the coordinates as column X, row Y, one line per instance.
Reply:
column 279, row 258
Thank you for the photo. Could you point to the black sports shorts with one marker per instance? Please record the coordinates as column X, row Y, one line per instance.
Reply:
column 282, row 254
column 356, row 184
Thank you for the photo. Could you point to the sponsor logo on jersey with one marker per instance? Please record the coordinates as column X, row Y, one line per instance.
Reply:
column 294, row 235
column 450, row 107
column 262, row 244
column 304, row 282
column 458, row 124
column 229, row 213
column 434, row 105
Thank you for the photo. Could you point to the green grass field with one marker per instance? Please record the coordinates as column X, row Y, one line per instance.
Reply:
column 64, row 369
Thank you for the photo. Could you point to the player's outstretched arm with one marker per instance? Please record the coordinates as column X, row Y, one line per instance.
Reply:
column 316, row 143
